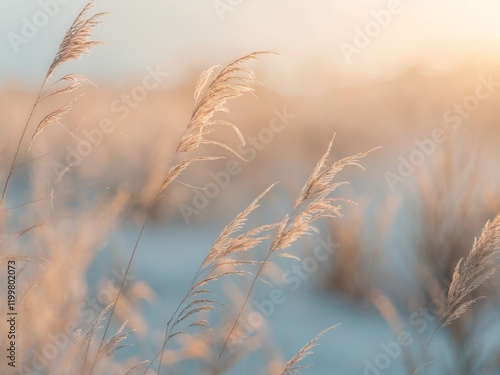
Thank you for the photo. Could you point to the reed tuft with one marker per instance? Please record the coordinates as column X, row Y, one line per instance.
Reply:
column 471, row 272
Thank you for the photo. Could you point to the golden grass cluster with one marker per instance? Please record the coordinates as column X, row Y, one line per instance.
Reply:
column 64, row 240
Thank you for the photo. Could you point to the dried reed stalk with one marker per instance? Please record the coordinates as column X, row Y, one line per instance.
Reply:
column 470, row 273
column 198, row 298
column 293, row 366
column 210, row 98
column 313, row 203
column 75, row 44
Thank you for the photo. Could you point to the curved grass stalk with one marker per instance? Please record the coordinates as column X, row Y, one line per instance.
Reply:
column 75, row 43
column 313, row 203
column 230, row 83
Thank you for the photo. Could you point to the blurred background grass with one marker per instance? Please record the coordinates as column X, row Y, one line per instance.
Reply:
column 400, row 242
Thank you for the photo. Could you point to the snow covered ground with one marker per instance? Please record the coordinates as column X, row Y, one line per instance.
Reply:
column 362, row 343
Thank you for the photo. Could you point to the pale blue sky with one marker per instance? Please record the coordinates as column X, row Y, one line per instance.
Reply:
column 308, row 35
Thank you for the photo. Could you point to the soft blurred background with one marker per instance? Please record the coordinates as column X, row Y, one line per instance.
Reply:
column 419, row 78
